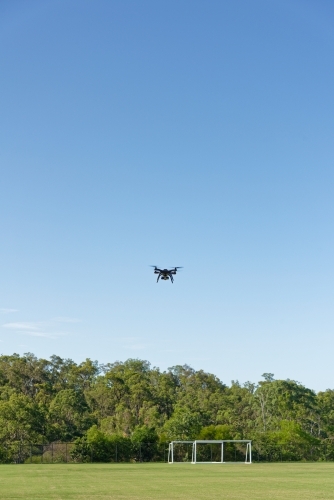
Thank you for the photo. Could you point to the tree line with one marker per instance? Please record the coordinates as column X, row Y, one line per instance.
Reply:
column 126, row 403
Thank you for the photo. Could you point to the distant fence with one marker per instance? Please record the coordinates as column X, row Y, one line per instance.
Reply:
column 323, row 451
column 54, row 453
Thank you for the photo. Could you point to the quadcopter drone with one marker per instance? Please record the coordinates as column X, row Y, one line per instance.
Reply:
column 165, row 274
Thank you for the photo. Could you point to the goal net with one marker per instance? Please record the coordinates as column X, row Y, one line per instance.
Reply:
column 180, row 451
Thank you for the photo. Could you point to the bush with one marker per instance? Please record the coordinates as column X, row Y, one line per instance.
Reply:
column 144, row 443
column 96, row 446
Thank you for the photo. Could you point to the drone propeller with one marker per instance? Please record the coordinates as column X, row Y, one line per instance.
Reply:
column 175, row 268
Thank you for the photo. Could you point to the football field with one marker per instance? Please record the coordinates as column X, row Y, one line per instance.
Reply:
column 304, row 481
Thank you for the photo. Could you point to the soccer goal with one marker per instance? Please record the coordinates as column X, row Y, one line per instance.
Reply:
column 222, row 451
column 211, row 451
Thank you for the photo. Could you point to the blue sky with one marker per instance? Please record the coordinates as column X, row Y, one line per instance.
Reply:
column 188, row 133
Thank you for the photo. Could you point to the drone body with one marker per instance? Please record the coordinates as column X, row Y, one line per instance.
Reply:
column 165, row 274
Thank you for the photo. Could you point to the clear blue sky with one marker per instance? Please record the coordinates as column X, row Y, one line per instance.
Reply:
column 180, row 132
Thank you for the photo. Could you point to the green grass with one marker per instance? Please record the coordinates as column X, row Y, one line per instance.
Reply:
column 168, row 482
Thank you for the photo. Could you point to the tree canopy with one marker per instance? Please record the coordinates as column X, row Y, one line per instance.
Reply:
column 57, row 400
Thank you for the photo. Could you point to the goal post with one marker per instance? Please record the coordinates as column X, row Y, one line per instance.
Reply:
column 224, row 456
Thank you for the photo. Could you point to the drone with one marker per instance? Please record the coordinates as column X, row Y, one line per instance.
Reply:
column 165, row 274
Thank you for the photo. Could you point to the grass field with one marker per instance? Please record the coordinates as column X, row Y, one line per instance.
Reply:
column 162, row 481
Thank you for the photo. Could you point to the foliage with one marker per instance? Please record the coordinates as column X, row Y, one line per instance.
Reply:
column 215, row 432
column 183, row 425
column 21, row 419
column 122, row 406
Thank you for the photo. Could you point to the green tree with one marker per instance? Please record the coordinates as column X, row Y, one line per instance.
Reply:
column 68, row 415
column 183, row 425
column 216, row 432
column 21, row 419
column 325, row 404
